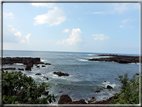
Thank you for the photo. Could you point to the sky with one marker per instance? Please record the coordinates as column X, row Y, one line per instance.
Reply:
column 72, row 27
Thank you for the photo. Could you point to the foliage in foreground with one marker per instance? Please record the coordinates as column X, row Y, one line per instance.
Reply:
column 19, row 88
column 129, row 93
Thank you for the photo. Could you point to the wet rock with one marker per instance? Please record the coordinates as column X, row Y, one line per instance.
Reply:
column 123, row 59
column 47, row 64
column 22, row 69
column 38, row 74
column 46, row 77
column 109, row 87
column 9, row 68
column 28, row 68
column 38, row 66
column 82, row 101
column 61, row 74
column 43, row 66
column 64, row 99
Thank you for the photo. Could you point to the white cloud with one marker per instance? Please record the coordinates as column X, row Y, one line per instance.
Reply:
column 18, row 34
column 126, row 20
column 13, row 30
column 100, row 37
column 20, row 38
column 121, row 26
column 49, row 5
column 73, row 39
column 121, row 7
column 10, row 25
column 53, row 17
column 8, row 15
column 66, row 30
column 27, row 37
column 22, row 41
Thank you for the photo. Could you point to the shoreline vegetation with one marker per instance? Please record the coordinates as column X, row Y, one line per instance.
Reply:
column 129, row 93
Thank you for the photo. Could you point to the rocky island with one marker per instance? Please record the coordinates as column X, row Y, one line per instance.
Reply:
column 117, row 58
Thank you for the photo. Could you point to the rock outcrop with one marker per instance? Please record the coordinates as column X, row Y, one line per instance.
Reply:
column 109, row 87
column 28, row 61
column 22, row 69
column 118, row 58
column 47, row 64
column 8, row 68
column 38, row 74
column 64, row 99
column 61, row 74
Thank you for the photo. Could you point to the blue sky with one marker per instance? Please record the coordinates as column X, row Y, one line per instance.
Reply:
column 72, row 27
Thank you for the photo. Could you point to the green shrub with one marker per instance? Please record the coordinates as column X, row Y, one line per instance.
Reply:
column 19, row 88
column 129, row 93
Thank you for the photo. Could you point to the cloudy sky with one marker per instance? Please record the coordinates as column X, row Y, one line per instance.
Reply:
column 72, row 27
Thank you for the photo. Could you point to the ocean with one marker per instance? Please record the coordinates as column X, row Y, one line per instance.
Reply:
column 85, row 77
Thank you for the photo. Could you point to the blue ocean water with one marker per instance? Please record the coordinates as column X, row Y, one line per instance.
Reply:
column 84, row 76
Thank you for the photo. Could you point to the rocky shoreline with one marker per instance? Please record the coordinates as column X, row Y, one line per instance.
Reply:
column 117, row 58
column 28, row 61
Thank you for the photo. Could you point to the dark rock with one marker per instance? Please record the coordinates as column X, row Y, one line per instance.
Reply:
column 38, row 66
column 9, row 68
column 109, row 87
column 28, row 68
column 43, row 66
column 39, row 62
column 38, row 74
column 28, row 61
column 64, row 99
column 47, row 64
column 82, row 101
column 46, row 77
column 21, row 69
column 93, row 98
column 123, row 59
column 61, row 74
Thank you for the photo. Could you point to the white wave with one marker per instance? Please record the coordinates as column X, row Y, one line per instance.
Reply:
column 18, row 64
column 82, row 59
column 92, row 54
column 42, row 60
column 106, row 82
column 135, row 63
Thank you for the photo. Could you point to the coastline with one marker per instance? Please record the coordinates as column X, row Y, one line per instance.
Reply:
column 117, row 58
column 98, row 102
